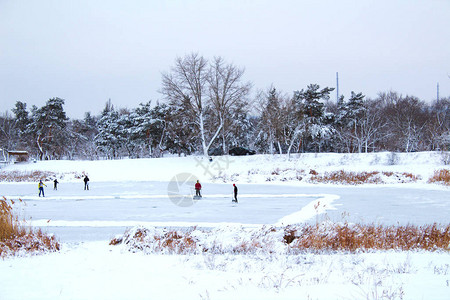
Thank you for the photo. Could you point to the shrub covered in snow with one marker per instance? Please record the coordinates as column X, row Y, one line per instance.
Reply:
column 285, row 240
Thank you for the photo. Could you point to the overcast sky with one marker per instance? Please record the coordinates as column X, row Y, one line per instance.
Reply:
column 88, row 51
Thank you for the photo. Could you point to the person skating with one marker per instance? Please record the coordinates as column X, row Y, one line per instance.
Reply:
column 198, row 187
column 235, row 189
column 86, row 182
column 55, row 184
column 41, row 188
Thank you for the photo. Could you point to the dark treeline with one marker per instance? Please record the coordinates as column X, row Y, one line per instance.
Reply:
column 208, row 107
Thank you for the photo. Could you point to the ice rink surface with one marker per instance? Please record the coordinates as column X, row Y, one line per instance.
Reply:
column 108, row 208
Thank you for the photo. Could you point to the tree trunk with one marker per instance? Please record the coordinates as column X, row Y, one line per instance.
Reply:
column 41, row 151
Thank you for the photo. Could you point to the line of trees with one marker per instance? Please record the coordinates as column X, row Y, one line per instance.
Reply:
column 207, row 106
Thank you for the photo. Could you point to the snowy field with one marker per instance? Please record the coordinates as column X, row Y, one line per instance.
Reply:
column 153, row 193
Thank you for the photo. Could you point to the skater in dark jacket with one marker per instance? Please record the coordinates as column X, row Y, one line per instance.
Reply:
column 86, row 182
column 55, row 184
column 198, row 187
column 235, row 193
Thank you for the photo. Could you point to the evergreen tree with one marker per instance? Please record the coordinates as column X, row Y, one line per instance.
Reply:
column 107, row 138
column 314, row 129
column 354, row 109
column 21, row 116
column 149, row 125
column 21, row 122
column 48, row 128
column 273, row 120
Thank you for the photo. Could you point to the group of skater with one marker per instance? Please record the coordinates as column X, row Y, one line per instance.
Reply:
column 198, row 188
column 55, row 185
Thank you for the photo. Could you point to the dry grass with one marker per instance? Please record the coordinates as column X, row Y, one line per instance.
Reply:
column 169, row 242
column 345, row 237
column 17, row 176
column 354, row 178
column 294, row 239
column 313, row 172
column 341, row 177
column 441, row 176
column 345, row 177
column 33, row 176
column 14, row 238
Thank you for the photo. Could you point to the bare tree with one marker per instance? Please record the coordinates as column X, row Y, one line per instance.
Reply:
column 8, row 132
column 206, row 91
column 187, row 86
column 438, row 129
column 367, row 129
column 227, row 93
column 407, row 120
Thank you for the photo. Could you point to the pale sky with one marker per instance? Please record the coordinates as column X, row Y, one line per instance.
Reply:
column 88, row 51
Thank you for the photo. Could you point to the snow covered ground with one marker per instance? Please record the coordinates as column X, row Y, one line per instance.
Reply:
column 148, row 192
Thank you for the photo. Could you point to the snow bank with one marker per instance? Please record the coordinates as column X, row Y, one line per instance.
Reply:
column 283, row 240
column 248, row 169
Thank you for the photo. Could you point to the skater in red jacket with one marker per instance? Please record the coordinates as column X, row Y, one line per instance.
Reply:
column 198, row 187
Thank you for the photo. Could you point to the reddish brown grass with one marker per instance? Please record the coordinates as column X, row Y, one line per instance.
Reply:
column 32, row 176
column 17, row 176
column 313, row 172
column 14, row 238
column 313, row 238
column 411, row 176
column 345, row 177
column 370, row 237
column 441, row 176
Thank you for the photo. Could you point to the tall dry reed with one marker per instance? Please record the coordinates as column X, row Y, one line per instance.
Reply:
column 15, row 238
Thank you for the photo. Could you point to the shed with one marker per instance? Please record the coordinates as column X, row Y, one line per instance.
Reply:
column 17, row 156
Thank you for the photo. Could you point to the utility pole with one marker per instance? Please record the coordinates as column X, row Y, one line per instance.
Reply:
column 337, row 87
column 437, row 89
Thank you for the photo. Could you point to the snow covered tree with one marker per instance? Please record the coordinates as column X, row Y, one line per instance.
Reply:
column 358, row 123
column 313, row 127
column 107, row 140
column 272, row 120
column 21, row 122
column 82, row 144
column 21, row 116
column 207, row 93
column 438, row 127
column 241, row 131
column 8, row 133
column 181, row 136
column 48, row 128
column 148, row 128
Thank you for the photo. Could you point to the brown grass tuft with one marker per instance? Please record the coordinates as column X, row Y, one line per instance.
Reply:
column 313, row 172
column 441, row 176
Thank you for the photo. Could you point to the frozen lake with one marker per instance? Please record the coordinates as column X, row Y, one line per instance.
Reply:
column 108, row 208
